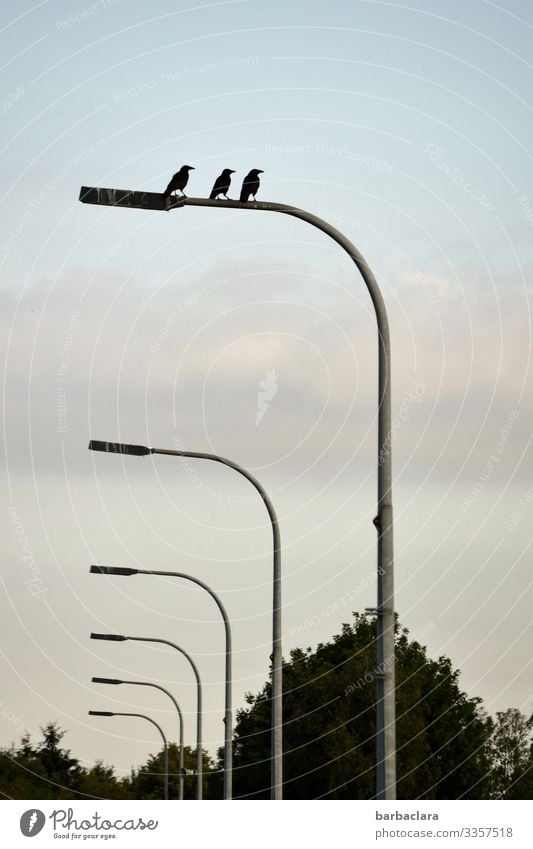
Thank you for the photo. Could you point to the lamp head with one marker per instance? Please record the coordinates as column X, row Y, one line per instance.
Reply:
column 112, row 570
column 119, row 448
column 114, row 637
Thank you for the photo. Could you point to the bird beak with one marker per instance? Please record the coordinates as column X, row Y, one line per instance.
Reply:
column 260, row 172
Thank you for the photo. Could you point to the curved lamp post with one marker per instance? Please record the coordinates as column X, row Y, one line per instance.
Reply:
column 277, row 718
column 384, row 611
column 181, row 772
column 141, row 716
column 228, row 730
column 122, row 638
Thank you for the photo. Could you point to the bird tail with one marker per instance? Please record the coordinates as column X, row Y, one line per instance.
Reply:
column 213, row 195
column 244, row 195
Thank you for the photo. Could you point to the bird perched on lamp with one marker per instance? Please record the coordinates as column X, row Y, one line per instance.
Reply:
column 250, row 185
column 179, row 181
column 222, row 184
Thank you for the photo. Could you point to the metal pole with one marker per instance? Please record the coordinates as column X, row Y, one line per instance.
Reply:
column 385, row 667
column 228, row 726
column 148, row 719
column 176, row 705
column 276, row 790
column 199, row 766
column 165, row 744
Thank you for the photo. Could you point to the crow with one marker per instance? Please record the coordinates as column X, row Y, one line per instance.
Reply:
column 250, row 185
column 179, row 181
column 222, row 184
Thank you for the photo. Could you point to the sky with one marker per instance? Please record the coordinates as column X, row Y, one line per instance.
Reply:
column 252, row 335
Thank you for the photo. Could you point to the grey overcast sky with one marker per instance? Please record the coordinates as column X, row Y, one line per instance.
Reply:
column 409, row 128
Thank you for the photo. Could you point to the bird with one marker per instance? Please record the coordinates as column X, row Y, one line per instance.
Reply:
column 250, row 185
column 222, row 184
column 179, row 181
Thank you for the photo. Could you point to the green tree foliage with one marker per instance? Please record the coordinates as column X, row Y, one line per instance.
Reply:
column 47, row 771
column 329, row 725
column 147, row 782
column 512, row 755
column 100, row 782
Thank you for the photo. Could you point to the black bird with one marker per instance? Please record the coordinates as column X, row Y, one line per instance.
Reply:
column 250, row 185
column 222, row 184
column 179, row 181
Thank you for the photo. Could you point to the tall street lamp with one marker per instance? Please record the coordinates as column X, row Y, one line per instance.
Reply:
column 385, row 667
column 141, row 716
column 228, row 729
column 277, row 718
column 181, row 771
column 199, row 765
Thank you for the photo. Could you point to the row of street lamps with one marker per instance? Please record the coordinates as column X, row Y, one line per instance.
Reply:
column 181, row 770
column 276, row 769
column 199, row 763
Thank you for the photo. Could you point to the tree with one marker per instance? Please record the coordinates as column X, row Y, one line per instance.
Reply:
column 58, row 767
column 47, row 771
column 512, row 755
column 147, row 781
column 329, row 725
column 100, row 782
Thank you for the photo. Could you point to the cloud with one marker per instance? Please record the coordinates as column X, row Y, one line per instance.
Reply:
column 183, row 359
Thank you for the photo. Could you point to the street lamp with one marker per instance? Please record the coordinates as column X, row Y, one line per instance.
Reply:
column 384, row 611
column 181, row 771
column 141, row 716
column 122, row 638
column 277, row 718
column 228, row 725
